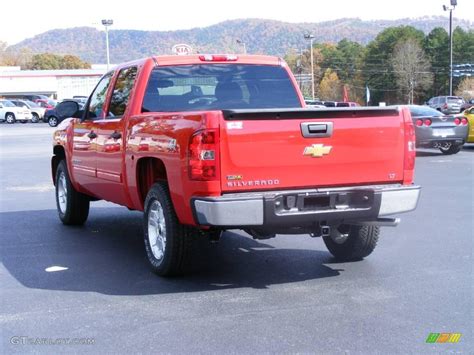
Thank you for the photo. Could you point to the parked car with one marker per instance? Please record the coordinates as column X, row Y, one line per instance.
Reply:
column 48, row 104
column 469, row 115
column 53, row 117
column 37, row 111
column 467, row 104
column 446, row 104
column 347, row 104
column 436, row 130
column 11, row 113
column 314, row 104
column 29, row 97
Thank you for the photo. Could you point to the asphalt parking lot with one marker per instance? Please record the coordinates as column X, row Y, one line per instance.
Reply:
column 280, row 295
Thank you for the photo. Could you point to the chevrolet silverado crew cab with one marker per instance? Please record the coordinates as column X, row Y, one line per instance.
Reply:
column 206, row 143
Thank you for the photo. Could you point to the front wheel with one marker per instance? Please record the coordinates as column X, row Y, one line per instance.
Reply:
column 53, row 121
column 450, row 149
column 35, row 118
column 72, row 206
column 169, row 245
column 352, row 242
column 10, row 118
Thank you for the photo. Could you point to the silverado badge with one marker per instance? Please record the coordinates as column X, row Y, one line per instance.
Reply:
column 317, row 150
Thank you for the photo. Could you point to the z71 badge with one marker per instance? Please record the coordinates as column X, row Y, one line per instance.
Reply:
column 317, row 150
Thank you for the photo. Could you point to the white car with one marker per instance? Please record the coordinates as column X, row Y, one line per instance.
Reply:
column 11, row 113
column 36, row 110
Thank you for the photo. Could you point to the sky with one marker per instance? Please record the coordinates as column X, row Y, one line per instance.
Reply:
column 36, row 17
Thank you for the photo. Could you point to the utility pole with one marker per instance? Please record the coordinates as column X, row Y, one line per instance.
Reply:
column 311, row 38
column 106, row 24
column 243, row 44
column 450, row 9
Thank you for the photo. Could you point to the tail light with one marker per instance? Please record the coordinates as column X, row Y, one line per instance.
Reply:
column 419, row 123
column 410, row 148
column 217, row 58
column 427, row 122
column 464, row 121
column 457, row 121
column 203, row 158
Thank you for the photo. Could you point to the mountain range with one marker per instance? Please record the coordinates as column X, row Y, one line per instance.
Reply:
column 260, row 37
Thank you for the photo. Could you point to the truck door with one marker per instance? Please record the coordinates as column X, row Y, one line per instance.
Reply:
column 111, row 139
column 84, row 166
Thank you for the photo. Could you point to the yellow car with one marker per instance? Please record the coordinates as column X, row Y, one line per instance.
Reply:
column 469, row 114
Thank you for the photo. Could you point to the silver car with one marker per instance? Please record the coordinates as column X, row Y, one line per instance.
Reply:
column 446, row 104
column 37, row 111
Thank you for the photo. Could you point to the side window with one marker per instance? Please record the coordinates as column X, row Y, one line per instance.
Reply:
column 98, row 97
column 121, row 94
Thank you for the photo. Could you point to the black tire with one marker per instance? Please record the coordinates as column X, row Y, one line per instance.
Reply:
column 73, row 206
column 453, row 149
column 53, row 121
column 10, row 118
column 359, row 243
column 35, row 118
column 179, row 240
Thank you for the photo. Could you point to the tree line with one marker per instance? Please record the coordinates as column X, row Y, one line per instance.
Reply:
column 42, row 61
column 401, row 65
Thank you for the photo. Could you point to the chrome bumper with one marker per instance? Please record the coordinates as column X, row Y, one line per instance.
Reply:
column 271, row 208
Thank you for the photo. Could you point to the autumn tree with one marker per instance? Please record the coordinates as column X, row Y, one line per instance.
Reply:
column 330, row 86
column 412, row 69
column 49, row 61
column 466, row 88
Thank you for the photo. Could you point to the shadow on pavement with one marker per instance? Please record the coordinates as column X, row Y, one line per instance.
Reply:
column 107, row 256
column 428, row 153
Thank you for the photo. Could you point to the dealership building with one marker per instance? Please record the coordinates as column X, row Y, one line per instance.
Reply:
column 57, row 84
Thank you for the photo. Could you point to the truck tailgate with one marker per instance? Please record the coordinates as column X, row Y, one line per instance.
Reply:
column 284, row 149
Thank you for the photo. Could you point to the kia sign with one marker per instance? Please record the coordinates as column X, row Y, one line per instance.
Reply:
column 181, row 49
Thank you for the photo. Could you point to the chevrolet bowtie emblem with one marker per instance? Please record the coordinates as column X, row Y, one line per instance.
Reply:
column 317, row 150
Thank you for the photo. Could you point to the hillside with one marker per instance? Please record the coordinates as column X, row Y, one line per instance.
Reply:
column 260, row 36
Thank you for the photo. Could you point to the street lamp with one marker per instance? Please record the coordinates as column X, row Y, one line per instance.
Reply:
column 106, row 24
column 450, row 9
column 311, row 38
column 239, row 41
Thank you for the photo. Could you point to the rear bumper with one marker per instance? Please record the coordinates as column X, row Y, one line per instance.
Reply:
column 300, row 208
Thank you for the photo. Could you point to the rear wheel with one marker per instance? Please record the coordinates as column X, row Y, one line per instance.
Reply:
column 450, row 149
column 35, row 118
column 352, row 242
column 169, row 245
column 72, row 206
column 10, row 118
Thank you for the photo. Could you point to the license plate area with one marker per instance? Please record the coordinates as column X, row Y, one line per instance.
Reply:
column 327, row 201
column 443, row 132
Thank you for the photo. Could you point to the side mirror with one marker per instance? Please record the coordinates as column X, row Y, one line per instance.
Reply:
column 67, row 109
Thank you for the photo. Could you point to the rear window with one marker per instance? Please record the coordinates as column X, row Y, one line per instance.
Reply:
column 417, row 111
column 219, row 86
column 454, row 99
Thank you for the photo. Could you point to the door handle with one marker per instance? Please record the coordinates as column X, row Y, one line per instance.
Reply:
column 116, row 135
column 92, row 135
column 316, row 130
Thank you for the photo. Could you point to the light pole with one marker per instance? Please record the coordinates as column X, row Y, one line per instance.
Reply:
column 242, row 43
column 311, row 38
column 450, row 9
column 106, row 24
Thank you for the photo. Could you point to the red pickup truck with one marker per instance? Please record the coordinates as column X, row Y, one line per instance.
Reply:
column 206, row 143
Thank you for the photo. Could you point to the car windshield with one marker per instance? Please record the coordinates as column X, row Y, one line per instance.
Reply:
column 417, row 111
column 32, row 104
column 51, row 102
column 219, row 86
column 7, row 103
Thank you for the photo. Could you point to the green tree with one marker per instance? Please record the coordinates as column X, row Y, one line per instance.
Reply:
column 378, row 71
column 436, row 47
column 50, row 61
